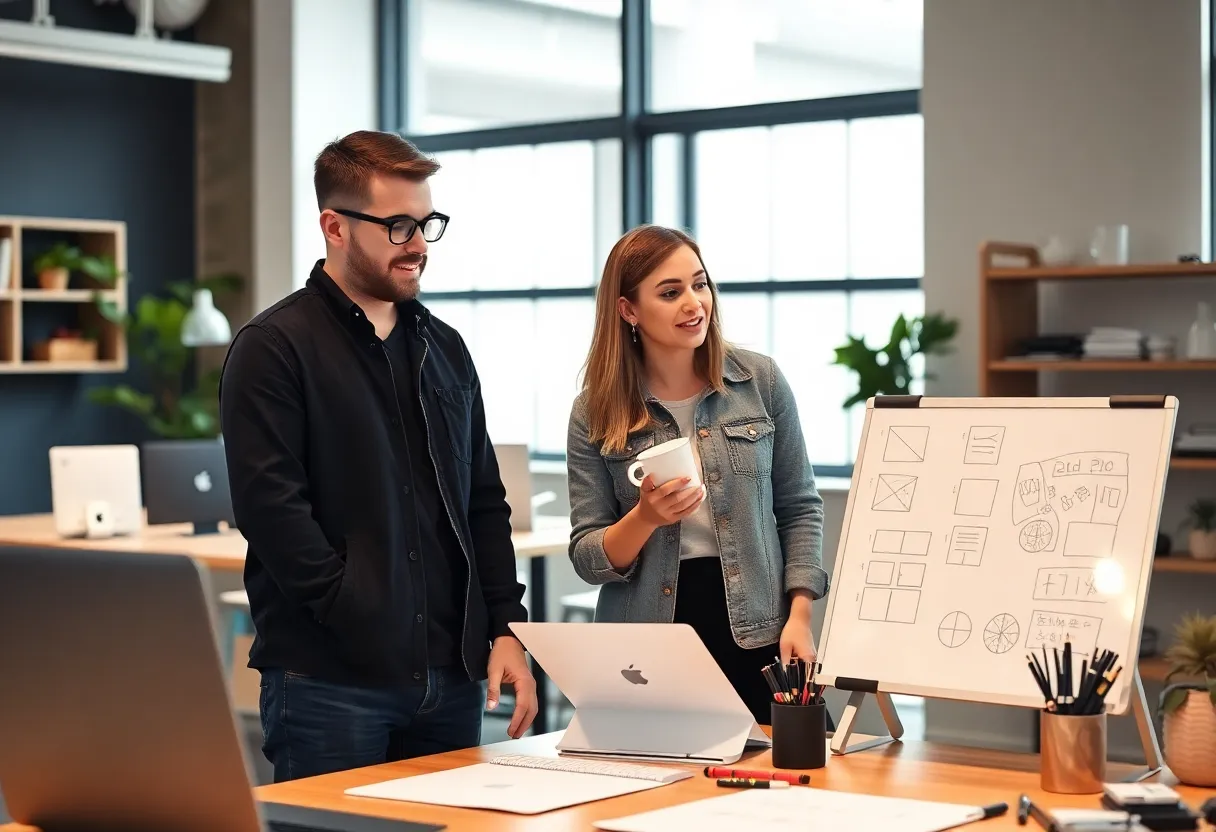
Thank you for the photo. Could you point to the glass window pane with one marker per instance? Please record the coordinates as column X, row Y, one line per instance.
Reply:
column 871, row 316
column 746, row 321
column 666, row 185
column 571, row 204
column 810, row 193
column 733, row 196
column 807, row 328
column 887, row 197
column 504, row 353
column 563, row 337
column 717, row 53
column 478, row 64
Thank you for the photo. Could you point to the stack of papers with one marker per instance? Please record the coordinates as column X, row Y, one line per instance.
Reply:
column 1113, row 343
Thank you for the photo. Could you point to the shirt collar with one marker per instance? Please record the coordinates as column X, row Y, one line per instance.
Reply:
column 412, row 312
column 732, row 371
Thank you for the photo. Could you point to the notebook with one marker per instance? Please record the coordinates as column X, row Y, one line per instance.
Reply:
column 525, row 785
column 764, row 810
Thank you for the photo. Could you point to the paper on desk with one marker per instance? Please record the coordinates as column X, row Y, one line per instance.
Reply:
column 524, row 791
column 764, row 810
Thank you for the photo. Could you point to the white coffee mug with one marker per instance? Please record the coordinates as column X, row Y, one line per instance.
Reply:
column 664, row 463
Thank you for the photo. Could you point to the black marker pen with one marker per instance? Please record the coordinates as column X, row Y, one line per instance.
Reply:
column 747, row 783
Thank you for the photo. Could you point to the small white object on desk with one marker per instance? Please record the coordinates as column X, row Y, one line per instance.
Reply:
column 1094, row 820
column 523, row 784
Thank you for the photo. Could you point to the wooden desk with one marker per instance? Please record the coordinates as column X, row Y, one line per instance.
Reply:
column 225, row 552
column 919, row 770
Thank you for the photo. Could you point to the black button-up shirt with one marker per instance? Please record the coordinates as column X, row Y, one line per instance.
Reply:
column 346, row 569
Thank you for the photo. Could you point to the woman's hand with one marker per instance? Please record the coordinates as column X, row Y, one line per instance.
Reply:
column 668, row 503
column 797, row 641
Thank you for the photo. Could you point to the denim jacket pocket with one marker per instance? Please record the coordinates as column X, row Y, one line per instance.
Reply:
column 456, row 403
column 750, row 446
column 618, row 463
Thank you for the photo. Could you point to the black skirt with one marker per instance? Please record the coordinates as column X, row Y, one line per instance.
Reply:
column 701, row 603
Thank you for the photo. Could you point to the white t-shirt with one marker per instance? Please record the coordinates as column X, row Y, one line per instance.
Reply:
column 697, row 536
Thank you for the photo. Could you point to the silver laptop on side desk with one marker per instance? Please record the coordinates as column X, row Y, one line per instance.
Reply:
column 114, row 713
column 642, row 692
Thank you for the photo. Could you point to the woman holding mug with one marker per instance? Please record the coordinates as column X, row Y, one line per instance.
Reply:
column 733, row 547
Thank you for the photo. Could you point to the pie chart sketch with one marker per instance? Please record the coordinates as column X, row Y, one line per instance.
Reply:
column 955, row 629
column 1035, row 536
column 1001, row 633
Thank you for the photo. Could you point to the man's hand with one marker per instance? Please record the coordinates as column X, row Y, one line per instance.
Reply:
column 796, row 638
column 509, row 664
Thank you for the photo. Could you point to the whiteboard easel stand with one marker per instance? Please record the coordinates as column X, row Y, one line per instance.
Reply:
column 844, row 729
column 1148, row 734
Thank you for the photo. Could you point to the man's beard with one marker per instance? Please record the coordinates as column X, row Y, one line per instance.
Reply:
column 380, row 282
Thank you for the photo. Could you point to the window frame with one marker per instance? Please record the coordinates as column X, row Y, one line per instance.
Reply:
column 634, row 128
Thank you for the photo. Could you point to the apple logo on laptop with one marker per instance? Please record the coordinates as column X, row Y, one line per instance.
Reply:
column 202, row 481
column 634, row 677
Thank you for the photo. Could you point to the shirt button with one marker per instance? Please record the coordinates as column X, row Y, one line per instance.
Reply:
column 703, row 433
column 417, row 675
column 396, row 421
column 413, row 556
column 714, row 476
column 666, row 590
column 418, row 618
column 751, row 431
column 406, row 489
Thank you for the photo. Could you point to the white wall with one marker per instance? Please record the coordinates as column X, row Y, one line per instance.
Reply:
column 1047, row 118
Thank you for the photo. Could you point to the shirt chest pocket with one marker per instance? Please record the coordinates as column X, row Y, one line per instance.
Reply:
column 618, row 462
column 456, row 405
column 750, row 446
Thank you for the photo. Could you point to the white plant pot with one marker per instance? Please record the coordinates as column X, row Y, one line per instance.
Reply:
column 1203, row 544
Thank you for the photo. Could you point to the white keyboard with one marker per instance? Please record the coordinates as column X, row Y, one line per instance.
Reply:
column 607, row 768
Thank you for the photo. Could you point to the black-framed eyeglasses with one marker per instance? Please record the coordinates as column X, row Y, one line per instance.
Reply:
column 401, row 228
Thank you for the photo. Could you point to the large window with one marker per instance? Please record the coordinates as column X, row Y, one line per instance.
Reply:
column 784, row 134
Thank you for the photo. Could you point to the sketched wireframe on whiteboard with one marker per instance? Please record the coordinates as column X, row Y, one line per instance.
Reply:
column 893, row 606
column 975, row 497
column 1067, row 583
column 984, row 445
column 955, row 629
column 1001, row 633
column 911, row 575
column 967, row 545
column 896, row 542
column 894, row 492
column 906, row 444
column 1036, row 536
column 880, row 572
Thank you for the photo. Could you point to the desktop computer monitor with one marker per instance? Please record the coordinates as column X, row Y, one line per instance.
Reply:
column 95, row 490
column 516, row 476
column 186, row 481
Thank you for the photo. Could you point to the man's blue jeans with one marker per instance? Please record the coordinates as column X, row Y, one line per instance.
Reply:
column 312, row 727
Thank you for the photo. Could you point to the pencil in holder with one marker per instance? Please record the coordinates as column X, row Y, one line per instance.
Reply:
column 799, row 735
column 1072, row 753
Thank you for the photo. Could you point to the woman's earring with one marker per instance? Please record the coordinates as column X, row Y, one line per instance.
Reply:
column 635, row 333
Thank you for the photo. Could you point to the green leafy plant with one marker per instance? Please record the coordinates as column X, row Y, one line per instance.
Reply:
column 887, row 370
column 65, row 256
column 170, row 408
column 1201, row 515
column 1192, row 655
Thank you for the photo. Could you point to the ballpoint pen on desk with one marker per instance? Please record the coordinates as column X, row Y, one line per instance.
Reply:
column 793, row 684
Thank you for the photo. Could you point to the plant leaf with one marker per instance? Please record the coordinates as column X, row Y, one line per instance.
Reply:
column 1172, row 699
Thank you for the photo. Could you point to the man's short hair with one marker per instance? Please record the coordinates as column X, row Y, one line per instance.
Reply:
column 343, row 171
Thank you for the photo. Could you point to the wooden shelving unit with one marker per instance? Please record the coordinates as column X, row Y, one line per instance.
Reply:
column 21, row 299
column 1184, row 563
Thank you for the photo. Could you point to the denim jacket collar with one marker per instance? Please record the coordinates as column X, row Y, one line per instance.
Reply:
column 732, row 371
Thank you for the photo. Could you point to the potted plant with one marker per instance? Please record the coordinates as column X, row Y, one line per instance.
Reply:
column 887, row 370
column 1201, row 518
column 1189, row 707
column 54, row 267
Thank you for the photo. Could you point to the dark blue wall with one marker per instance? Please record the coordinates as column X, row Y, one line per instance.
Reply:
column 79, row 142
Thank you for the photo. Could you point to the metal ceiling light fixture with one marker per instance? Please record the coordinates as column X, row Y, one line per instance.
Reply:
column 42, row 40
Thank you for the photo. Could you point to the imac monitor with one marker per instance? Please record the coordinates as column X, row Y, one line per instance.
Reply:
column 186, row 481
column 517, row 480
column 114, row 710
column 95, row 490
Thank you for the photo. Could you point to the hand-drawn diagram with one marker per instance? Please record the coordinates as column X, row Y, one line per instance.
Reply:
column 894, row 492
column 955, row 629
column 984, row 445
column 894, row 542
column 1067, row 583
column 880, row 572
column 1036, row 536
column 894, row 606
column 1001, row 633
column 975, row 497
column 1088, row 488
column 1051, row 629
column 911, row 575
column 906, row 443
column 1090, row 540
column 967, row 545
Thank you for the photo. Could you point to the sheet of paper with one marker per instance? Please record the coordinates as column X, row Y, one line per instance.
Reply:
column 764, row 810
column 524, row 791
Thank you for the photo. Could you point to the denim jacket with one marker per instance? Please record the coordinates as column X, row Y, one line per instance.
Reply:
column 766, row 511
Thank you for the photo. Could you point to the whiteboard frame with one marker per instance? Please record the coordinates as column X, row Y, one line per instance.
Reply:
column 1129, row 677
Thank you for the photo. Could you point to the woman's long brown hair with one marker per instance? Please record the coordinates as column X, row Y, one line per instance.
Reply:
column 613, row 375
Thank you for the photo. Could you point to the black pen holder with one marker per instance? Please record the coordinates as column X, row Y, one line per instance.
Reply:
column 800, row 736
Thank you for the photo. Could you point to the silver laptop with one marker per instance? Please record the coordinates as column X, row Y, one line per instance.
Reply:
column 113, row 709
column 95, row 490
column 642, row 692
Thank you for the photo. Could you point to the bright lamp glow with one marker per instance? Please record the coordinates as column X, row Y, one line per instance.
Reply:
column 204, row 325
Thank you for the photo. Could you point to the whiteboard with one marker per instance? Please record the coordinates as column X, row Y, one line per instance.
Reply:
column 978, row 530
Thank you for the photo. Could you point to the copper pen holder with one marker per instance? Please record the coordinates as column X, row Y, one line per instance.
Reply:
column 1072, row 753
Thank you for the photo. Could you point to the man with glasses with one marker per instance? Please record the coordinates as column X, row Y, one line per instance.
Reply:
column 380, row 570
